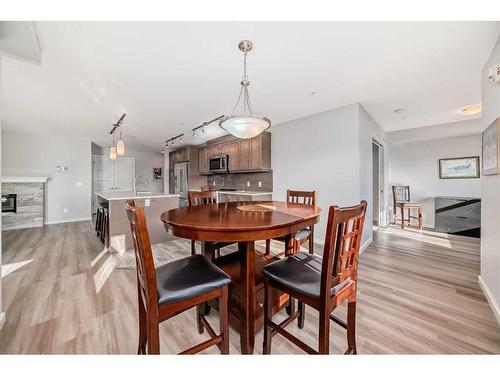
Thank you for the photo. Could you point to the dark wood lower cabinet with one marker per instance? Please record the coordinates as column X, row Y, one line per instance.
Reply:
column 232, row 264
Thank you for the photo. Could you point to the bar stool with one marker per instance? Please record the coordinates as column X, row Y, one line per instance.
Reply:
column 98, row 221
column 105, row 226
column 322, row 284
column 173, row 288
column 303, row 235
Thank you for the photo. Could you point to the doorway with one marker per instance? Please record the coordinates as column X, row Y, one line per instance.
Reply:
column 378, row 183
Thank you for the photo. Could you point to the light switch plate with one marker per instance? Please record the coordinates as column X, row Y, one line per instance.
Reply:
column 147, row 202
column 248, row 183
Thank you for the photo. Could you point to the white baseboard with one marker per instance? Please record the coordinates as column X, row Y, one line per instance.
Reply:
column 366, row 244
column 68, row 221
column 489, row 297
column 2, row 319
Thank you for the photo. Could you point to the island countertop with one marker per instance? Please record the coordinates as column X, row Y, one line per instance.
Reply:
column 122, row 195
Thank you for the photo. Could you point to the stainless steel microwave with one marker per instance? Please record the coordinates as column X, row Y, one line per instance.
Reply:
column 218, row 164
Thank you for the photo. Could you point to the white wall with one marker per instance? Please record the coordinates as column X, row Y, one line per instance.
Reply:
column 416, row 164
column 38, row 155
column 2, row 314
column 490, row 203
column 145, row 161
column 329, row 152
column 369, row 130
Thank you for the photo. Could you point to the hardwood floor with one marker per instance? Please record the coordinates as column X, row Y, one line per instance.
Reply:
column 418, row 293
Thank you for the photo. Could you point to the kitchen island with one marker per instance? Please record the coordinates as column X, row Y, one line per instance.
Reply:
column 118, row 232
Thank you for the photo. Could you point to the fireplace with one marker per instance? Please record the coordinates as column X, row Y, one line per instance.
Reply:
column 9, row 203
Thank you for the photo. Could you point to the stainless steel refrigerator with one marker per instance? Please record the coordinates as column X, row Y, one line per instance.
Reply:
column 181, row 175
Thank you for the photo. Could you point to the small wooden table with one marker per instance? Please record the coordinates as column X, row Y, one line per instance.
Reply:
column 224, row 222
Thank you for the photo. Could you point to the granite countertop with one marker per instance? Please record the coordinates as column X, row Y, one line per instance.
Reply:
column 120, row 195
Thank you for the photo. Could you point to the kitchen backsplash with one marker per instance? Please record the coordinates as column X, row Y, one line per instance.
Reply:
column 239, row 181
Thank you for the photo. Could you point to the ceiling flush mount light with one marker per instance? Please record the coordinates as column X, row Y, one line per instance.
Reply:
column 245, row 124
column 120, row 145
column 470, row 110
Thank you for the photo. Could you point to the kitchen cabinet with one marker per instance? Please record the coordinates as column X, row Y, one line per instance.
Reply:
column 244, row 154
column 234, row 148
column 203, row 160
column 250, row 155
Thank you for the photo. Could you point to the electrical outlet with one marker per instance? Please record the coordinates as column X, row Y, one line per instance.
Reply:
column 147, row 202
column 248, row 183
column 65, row 210
column 213, row 183
column 260, row 183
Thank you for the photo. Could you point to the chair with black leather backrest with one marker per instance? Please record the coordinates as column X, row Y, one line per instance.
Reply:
column 322, row 284
column 175, row 287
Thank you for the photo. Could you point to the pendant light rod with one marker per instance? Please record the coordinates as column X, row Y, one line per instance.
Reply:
column 118, row 123
column 171, row 141
column 203, row 126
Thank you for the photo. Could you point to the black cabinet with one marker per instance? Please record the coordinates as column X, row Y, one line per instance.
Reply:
column 458, row 215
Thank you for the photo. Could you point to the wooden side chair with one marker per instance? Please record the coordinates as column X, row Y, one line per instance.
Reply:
column 197, row 198
column 322, row 284
column 174, row 288
column 401, row 200
column 306, row 234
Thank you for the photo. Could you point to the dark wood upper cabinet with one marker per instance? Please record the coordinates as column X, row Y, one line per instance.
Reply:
column 202, row 160
column 234, row 155
column 244, row 154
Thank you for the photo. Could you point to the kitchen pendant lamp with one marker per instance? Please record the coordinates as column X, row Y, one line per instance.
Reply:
column 245, row 124
column 120, row 146
column 112, row 150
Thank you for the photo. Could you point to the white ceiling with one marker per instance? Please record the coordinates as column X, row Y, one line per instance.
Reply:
column 166, row 73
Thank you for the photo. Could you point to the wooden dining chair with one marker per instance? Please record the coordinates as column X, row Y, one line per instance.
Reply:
column 322, row 284
column 401, row 200
column 173, row 288
column 196, row 198
column 303, row 235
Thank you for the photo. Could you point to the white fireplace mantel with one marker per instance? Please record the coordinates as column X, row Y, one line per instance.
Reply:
column 23, row 179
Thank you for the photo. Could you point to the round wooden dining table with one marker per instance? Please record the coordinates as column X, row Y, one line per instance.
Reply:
column 232, row 223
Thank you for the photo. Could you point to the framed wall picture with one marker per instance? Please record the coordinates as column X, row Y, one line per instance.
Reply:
column 464, row 167
column 491, row 149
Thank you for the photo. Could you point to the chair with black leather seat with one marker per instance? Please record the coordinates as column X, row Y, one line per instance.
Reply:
column 322, row 284
column 173, row 288
column 303, row 235
column 197, row 198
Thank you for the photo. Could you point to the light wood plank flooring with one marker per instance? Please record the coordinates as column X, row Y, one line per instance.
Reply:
column 418, row 293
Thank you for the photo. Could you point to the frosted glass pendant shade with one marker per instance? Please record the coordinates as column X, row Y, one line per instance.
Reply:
column 120, row 147
column 112, row 153
column 245, row 126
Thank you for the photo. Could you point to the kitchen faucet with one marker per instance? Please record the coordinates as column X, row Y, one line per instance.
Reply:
column 140, row 178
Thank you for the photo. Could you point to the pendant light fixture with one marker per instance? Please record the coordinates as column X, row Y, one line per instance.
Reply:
column 112, row 150
column 120, row 146
column 119, row 150
column 244, row 124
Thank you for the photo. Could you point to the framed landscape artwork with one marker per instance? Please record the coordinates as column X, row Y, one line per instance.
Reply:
column 491, row 151
column 465, row 167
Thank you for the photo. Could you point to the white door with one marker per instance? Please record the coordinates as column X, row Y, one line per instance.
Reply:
column 124, row 174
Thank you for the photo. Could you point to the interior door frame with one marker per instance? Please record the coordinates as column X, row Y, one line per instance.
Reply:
column 382, row 203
